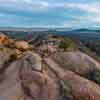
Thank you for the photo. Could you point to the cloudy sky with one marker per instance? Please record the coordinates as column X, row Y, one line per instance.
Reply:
column 50, row 13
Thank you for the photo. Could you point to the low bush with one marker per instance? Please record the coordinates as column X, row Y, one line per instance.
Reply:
column 64, row 45
column 67, row 45
column 96, row 77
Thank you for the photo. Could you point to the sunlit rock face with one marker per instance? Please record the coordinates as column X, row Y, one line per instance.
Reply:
column 3, row 39
column 21, row 45
column 77, row 62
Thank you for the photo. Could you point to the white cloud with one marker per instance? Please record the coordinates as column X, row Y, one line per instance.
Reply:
column 24, row 4
column 45, row 4
column 86, row 21
column 92, row 19
column 91, row 8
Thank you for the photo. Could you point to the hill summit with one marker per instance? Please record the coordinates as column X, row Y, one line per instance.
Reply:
column 51, row 69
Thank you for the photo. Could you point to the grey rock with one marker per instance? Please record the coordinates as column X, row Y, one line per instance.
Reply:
column 33, row 60
column 77, row 62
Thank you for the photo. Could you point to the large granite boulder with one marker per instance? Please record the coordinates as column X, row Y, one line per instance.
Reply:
column 33, row 60
column 77, row 62
column 74, row 86
column 12, row 86
column 55, row 83
column 36, row 84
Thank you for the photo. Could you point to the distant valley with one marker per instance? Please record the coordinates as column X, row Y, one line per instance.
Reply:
column 90, row 38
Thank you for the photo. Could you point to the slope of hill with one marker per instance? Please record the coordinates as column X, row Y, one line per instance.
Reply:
column 29, row 72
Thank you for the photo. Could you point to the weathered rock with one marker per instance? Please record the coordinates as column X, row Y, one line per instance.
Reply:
column 77, row 62
column 54, row 83
column 10, row 88
column 33, row 60
column 34, row 78
column 4, row 56
column 3, row 39
column 11, row 43
column 79, row 88
column 22, row 45
column 7, row 55
column 17, row 54
column 39, row 85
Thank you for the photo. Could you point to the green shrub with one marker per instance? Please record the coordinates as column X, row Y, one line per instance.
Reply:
column 67, row 45
column 97, row 77
column 64, row 45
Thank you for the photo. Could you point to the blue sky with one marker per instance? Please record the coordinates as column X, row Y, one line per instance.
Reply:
column 50, row 13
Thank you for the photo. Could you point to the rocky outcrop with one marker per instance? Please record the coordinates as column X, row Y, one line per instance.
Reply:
column 33, row 60
column 11, row 87
column 55, row 83
column 76, row 87
column 77, row 62
column 22, row 45
column 3, row 39
column 5, row 56
column 30, row 79
column 24, row 75
column 39, row 85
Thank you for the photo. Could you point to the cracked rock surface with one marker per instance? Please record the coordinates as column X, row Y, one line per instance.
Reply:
column 23, row 82
column 26, row 75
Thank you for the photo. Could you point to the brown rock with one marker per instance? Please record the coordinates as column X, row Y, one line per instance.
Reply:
column 22, row 45
column 79, row 88
column 30, row 78
column 33, row 60
column 10, row 88
column 11, row 43
column 3, row 39
column 39, row 85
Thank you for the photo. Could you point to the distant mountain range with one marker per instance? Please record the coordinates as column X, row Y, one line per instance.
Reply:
column 23, row 33
column 47, row 29
column 86, row 30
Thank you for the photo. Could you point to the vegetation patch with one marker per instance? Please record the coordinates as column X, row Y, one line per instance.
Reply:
column 67, row 45
column 94, row 76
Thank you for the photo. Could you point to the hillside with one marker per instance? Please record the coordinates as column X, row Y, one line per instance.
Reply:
column 54, row 68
